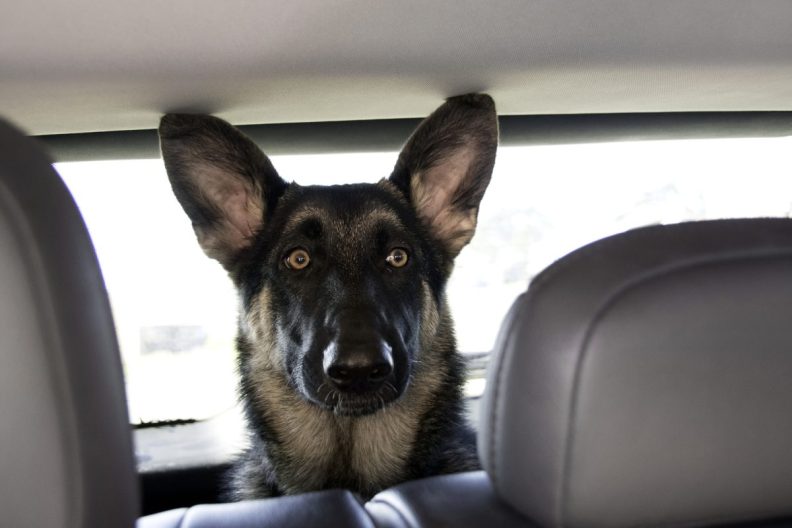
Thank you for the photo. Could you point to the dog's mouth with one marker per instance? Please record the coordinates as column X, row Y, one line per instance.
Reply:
column 346, row 403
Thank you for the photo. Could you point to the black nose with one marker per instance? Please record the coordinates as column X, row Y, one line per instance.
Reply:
column 358, row 367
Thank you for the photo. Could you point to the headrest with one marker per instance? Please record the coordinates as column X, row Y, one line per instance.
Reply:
column 65, row 447
column 646, row 379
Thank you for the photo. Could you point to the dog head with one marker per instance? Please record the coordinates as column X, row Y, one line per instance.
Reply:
column 341, row 286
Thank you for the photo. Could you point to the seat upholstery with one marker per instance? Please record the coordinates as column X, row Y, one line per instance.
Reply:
column 310, row 510
column 65, row 447
column 463, row 500
column 644, row 380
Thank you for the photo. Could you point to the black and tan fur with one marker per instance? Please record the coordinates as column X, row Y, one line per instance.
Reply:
column 350, row 376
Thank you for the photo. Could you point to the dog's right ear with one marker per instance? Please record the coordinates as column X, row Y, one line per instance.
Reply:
column 222, row 180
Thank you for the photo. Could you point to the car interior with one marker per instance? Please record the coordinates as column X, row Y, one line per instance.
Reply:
column 629, row 374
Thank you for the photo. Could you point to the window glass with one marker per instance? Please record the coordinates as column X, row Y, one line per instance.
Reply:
column 175, row 309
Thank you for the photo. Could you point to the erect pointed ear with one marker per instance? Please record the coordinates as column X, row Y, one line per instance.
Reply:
column 222, row 180
column 446, row 165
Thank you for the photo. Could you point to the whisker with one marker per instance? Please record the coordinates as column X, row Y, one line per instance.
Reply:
column 328, row 393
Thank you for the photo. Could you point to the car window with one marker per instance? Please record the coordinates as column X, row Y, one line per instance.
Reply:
column 175, row 309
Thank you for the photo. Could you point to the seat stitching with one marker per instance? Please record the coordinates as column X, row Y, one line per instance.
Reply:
column 181, row 521
column 496, row 412
column 394, row 509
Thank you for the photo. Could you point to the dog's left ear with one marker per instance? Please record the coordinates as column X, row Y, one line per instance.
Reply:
column 446, row 165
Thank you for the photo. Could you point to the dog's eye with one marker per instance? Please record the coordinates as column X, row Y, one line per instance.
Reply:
column 397, row 258
column 298, row 259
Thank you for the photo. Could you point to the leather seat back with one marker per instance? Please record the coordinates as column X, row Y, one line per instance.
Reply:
column 65, row 449
column 645, row 380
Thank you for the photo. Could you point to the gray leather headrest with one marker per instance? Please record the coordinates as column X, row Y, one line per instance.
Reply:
column 65, row 442
column 646, row 379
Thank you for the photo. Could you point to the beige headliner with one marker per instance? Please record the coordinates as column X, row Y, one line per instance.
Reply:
column 81, row 65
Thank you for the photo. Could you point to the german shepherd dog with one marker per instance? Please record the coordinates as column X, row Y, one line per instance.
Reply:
column 350, row 376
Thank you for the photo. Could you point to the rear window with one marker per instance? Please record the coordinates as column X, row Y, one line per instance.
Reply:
column 175, row 309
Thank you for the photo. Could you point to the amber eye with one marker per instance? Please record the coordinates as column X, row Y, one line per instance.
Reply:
column 397, row 258
column 298, row 259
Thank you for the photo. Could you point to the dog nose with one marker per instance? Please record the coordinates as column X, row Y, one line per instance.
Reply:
column 358, row 367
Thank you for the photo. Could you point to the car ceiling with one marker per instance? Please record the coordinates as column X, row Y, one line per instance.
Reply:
column 86, row 66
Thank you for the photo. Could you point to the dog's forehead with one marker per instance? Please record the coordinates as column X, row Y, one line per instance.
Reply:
column 346, row 213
